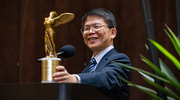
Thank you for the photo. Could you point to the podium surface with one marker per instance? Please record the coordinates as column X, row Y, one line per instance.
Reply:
column 49, row 91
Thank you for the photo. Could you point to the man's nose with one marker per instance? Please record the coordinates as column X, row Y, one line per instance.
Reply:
column 91, row 30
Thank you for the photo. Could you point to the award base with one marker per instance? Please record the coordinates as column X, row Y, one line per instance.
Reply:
column 48, row 68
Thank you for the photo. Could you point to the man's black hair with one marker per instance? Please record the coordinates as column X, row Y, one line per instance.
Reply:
column 101, row 12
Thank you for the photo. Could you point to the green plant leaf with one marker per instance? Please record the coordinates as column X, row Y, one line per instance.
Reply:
column 168, row 75
column 138, row 86
column 176, row 46
column 148, row 77
column 142, row 71
column 169, row 93
column 168, row 72
column 152, row 66
column 169, row 98
column 166, row 79
column 146, row 46
column 143, row 88
column 166, row 53
column 146, row 90
column 175, row 38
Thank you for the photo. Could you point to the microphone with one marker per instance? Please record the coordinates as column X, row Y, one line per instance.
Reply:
column 66, row 51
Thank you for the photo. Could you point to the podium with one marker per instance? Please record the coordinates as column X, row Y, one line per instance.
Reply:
column 49, row 91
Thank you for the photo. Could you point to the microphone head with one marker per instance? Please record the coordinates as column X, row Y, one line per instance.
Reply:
column 67, row 51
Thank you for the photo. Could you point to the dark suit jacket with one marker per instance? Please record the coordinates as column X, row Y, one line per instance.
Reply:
column 105, row 76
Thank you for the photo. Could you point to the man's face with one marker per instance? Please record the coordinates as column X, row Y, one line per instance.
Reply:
column 98, row 40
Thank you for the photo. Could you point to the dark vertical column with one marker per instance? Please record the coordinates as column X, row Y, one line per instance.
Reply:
column 148, row 21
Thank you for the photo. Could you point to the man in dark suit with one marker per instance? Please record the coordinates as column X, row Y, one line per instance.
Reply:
column 99, row 30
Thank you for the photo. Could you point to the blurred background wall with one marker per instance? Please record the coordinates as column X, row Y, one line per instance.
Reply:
column 22, row 36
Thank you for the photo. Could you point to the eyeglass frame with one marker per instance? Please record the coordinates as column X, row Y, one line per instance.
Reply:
column 92, row 27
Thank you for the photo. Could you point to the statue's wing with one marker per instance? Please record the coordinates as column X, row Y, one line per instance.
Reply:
column 63, row 18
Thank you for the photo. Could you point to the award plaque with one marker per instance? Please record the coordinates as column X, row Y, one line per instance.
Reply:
column 50, row 62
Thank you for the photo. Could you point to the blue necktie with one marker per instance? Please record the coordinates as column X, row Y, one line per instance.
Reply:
column 92, row 65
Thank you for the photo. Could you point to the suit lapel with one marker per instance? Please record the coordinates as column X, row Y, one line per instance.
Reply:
column 105, row 60
column 85, row 69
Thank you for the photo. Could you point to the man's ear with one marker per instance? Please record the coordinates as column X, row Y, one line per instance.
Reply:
column 113, row 33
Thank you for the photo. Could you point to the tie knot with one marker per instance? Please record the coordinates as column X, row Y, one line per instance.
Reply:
column 93, row 61
column 92, row 65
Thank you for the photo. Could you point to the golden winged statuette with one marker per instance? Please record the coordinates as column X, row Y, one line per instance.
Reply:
column 50, row 62
column 52, row 21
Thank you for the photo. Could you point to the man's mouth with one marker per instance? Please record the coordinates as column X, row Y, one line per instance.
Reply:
column 93, row 38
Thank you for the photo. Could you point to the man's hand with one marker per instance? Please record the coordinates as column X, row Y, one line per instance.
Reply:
column 63, row 76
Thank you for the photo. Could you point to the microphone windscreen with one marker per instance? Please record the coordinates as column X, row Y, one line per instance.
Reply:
column 67, row 51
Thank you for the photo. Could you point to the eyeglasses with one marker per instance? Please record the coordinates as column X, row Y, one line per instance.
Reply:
column 95, row 28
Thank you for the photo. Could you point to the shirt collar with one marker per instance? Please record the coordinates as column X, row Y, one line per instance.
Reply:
column 99, row 56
